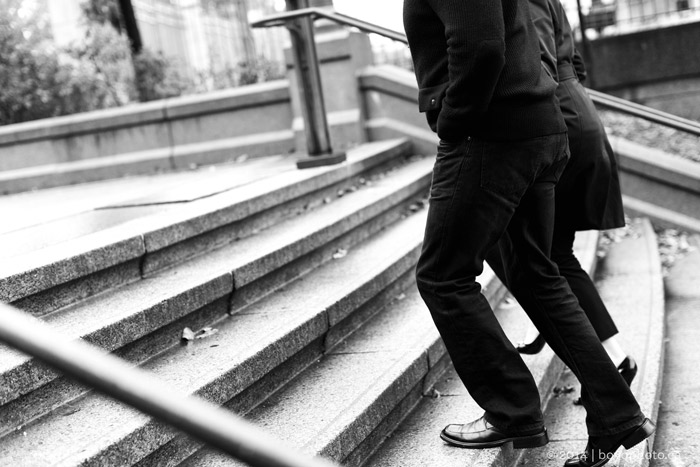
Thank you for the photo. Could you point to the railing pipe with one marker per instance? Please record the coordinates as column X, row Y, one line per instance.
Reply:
column 280, row 19
column 604, row 100
column 318, row 142
column 647, row 113
column 114, row 377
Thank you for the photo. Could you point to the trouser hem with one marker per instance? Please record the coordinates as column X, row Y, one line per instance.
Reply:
column 636, row 421
column 524, row 430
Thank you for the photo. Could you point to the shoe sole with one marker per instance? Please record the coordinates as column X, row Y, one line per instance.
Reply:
column 519, row 442
column 645, row 430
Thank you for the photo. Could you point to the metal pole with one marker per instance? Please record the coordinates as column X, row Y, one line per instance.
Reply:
column 585, row 43
column 310, row 91
column 215, row 426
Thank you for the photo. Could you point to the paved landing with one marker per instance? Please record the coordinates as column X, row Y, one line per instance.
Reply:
column 23, row 210
column 35, row 220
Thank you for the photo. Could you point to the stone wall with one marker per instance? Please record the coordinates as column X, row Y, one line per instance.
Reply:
column 659, row 68
column 169, row 123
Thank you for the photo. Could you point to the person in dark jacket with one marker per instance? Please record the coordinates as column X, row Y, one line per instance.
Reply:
column 503, row 146
column 588, row 193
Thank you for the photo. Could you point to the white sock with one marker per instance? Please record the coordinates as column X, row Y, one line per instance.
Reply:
column 531, row 333
column 614, row 349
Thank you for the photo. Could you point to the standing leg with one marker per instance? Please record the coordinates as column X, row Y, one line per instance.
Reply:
column 464, row 222
column 547, row 298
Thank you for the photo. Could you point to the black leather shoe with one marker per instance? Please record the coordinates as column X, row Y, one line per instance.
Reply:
column 480, row 434
column 600, row 450
column 533, row 347
column 627, row 369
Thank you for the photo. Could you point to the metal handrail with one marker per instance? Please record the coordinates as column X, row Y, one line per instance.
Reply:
column 203, row 420
column 647, row 113
column 280, row 19
column 602, row 99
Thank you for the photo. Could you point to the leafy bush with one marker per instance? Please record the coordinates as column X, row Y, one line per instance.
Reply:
column 258, row 70
column 157, row 77
column 39, row 80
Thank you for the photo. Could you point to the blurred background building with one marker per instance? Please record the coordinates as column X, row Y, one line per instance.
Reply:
column 200, row 35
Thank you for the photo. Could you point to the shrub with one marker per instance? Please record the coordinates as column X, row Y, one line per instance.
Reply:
column 157, row 77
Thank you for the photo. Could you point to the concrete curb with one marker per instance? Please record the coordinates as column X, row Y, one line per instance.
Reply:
column 648, row 384
column 145, row 162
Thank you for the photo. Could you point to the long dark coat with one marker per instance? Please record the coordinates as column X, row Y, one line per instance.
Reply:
column 588, row 194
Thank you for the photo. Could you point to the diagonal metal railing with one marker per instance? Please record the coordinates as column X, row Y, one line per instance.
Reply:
column 205, row 421
column 602, row 99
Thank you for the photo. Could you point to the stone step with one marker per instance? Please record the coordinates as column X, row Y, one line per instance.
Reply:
column 149, row 237
column 449, row 401
column 631, row 285
column 343, row 405
column 30, row 210
column 154, row 160
column 253, row 353
column 145, row 317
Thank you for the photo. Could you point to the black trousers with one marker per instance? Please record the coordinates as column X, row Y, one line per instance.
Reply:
column 580, row 282
column 480, row 191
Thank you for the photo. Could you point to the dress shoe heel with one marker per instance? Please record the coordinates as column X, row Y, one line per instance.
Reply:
column 534, row 441
column 639, row 435
column 533, row 347
column 628, row 370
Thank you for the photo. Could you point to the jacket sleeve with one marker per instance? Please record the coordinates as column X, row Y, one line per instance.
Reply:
column 579, row 66
column 475, row 35
column 548, row 32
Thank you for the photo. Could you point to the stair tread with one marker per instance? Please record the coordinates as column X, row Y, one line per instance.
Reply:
column 243, row 341
column 30, row 210
column 316, row 410
column 117, row 316
column 45, row 268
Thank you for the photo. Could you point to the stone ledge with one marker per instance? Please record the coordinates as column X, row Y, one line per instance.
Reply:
column 144, row 162
column 661, row 216
column 150, row 112
column 657, row 165
column 390, row 80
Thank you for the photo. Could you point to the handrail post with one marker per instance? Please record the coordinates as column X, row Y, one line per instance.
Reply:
column 310, row 91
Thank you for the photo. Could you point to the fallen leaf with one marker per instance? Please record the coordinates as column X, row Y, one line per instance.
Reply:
column 187, row 335
column 340, row 253
column 205, row 332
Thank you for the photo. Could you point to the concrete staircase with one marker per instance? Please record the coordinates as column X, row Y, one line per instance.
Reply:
column 297, row 287
column 631, row 285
